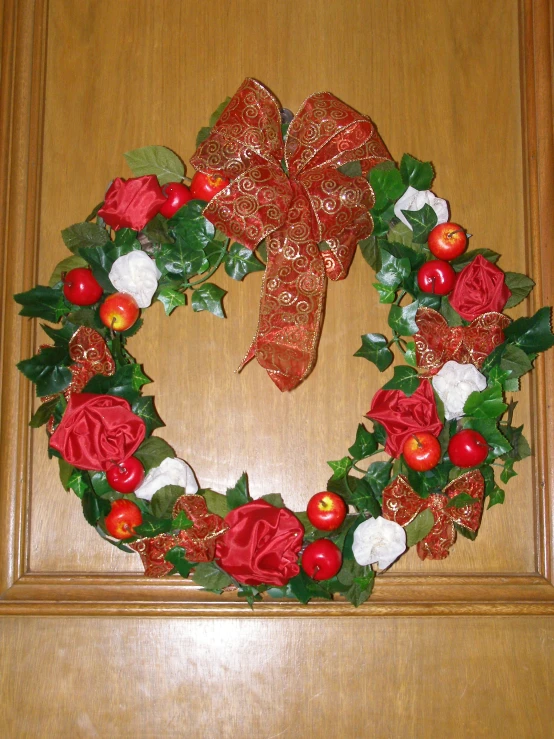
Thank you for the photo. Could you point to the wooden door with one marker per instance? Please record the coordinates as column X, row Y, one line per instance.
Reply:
column 89, row 647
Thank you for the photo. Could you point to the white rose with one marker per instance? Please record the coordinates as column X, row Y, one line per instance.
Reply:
column 415, row 200
column 171, row 471
column 454, row 384
column 135, row 273
column 378, row 540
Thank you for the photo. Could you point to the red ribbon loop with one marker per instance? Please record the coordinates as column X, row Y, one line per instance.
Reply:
column 295, row 212
column 402, row 504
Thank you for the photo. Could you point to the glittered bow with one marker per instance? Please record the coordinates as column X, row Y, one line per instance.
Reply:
column 293, row 194
column 402, row 504
column 436, row 342
column 199, row 541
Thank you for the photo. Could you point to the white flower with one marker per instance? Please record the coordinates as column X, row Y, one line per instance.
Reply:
column 171, row 471
column 454, row 384
column 135, row 273
column 378, row 540
column 415, row 200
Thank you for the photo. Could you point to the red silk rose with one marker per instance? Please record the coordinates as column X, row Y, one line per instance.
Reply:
column 132, row 203
column 402, row 415
column 480, row 288
column 261, row 545
column 96, row 431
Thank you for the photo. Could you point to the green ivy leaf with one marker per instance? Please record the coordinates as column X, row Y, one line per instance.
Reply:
column 496, row 497
column 413, row 253
column 101, row 263
column 402, row 319
column 240, row 261
column 210, row 577
column 485, row 404
column 410, row 354
column 371, row 252
column 46, row 370
column 43, row 413
column 461, row 500
column 274, row 499
column 66, row 265
column 387, row 185
column 94, row 508
column 182, row 522
column 42, row 302
column 78, row 482
column 364, row 499
column 365, row 444
column 171, row 299
column 464, row 259
column 401, row 234
column 164, row 499
column 393, row 271
column 378, row 476
column 238, row 495
column 340, row 467
column 531, row 334
column 189, row 226
column 66, row 471
column 386, row 294
column 177, row 557
column 488, row 428
column 418, row 529
column 508, row 471
column 519, row 285
column 453, row 318
column 415, row 173
column 208, row 297
column 422, row 221
column 375, row 349
column 152, row 526
column 158, row 160
column 405, row 379
column 216, row 502
column 84, row 235
column 144, row 408
column 152, row 452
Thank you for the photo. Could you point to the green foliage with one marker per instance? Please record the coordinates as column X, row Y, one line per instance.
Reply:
column 520, row 286
column 208, row 297
column 375, row 348
column 464, row 259
column 365, row 444
column 370, row 252
column 43, row 413
column 415, row 173
column 405, row 379
column 66, row 265
column 209, row 576
column 364, row 499
column 238, row 495
column 240, row 261
column 461, row 500
column 489, row 429
column 164, row 499
column 387, row 185
column 419, row 527
column 145, row 409
column 216, row 502
column 485, row 404
column 393, row 270
column 152, row 452
column 531, row 334
column 402, row 319
column 422, row 221
column 84, row 235
column 177, row 557
column 157, row 160
column 42, row 302
column 340, row 467
column 46, row 370
column 152, row 526
column 171, row 299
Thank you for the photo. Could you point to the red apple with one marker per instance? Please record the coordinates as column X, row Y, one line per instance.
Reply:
column 205, row 186
column 119, row 311
column 126, row 476
column 468, row 448
column 436, row 277
column 447, row 241
column 122, row 519
column 326, row 511
column 80, row 287
column 177, row 195
column 422, row 451
column 322, row 559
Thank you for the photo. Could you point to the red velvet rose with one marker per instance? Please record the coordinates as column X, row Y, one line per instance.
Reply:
column 261, row 545
column 480, row 288
column 96, row 431
column 132, row 203
column 402, row 416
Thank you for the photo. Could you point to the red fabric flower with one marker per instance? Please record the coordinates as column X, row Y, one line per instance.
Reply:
column 262, row 544
column 132, row 203
column 402, row 416
column 97, row 430
column 480, row 288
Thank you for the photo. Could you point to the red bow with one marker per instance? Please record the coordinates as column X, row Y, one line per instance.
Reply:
column 402, row 504
column 437, row 342
column 314, row 203
column 199, row 541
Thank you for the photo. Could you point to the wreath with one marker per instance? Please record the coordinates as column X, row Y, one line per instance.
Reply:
column 292, row 196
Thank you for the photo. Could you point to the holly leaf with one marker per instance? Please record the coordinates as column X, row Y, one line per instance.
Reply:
column 158, row 160
column 216, row 502
column 208, row 297
column 375, row 348
column 405, row 379
column 84, row 235
column 365, row 444
column 152, row 526
column 371, row 252
column 42, row 302
column 171, row 299
column 46, row 370
column 152, row 452
column 66, row 265
column 43, row 413
column 144, row 408
column 364, row 498
column 464, row 259
column 210, row 577
column 519, row 285
column 415, row 173
column 531, row 334
column 402, row 319
column 126, row 383
column 520, row 446
column 487, row 403
column 422, row 221
column 340, row 468
column 238, row 495
column 418, row 529
column 240, row 261
column 176, row 556
column 274, row 499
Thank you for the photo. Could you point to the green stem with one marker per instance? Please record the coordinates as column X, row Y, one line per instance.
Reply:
column 401, row 297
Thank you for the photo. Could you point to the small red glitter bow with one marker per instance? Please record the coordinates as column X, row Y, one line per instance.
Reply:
column 436, row 342
column 402, row 504
column 199, row 541
column 294, row 194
